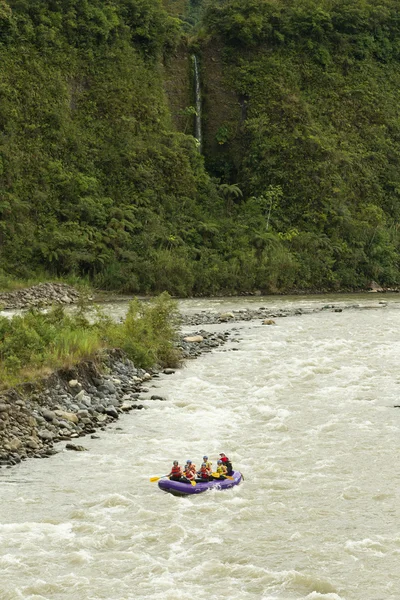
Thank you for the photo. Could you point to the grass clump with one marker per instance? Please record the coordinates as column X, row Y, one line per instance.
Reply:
column 36, row 343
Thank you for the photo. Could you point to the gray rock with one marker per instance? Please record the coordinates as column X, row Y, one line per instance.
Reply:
column 83, row 414
column 109, row 387
column 80, row 395
column 75, row 447
column 49, row 415
column 46, row 435
column 111, row 411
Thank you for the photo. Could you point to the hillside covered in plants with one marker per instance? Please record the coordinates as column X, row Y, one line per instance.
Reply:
column 101, row 177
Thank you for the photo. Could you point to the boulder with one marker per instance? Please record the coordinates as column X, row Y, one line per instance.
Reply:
column 75, row 447
column 111, row 411
column 15, row 444
column 226, row 316
column 193, row 339
column 49, row 415
column 74, row 383
column 67, row 416
column 268, row 322
column 32, row 443
column 46, row 435
column 79, row 396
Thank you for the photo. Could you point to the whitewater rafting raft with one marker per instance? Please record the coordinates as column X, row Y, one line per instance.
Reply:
column 178, row 488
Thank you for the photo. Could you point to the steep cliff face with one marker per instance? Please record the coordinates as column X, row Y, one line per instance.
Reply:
column 222, row 113
column 178, row 81
column 317, row 83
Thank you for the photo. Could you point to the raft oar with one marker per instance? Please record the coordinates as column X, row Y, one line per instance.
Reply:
column 216, row 475
column 152, row 479
column 157, row 478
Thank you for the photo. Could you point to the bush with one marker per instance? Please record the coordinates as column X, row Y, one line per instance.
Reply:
column 38, row 341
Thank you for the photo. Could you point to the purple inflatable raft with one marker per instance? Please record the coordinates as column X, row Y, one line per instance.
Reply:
column 178, row 488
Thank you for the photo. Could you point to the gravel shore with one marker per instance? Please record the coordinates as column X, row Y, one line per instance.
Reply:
column 71, row 404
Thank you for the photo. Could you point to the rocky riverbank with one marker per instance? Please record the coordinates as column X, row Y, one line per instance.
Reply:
column 39, row 295
column 265, row 313
column 71, row 404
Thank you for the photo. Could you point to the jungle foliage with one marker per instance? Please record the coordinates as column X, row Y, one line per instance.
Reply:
column 95, row 182
column 319, row 80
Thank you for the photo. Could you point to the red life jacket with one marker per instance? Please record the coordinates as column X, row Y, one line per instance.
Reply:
column 204, row 472
column 188, row 474
column 176, row 471
column 225, row 459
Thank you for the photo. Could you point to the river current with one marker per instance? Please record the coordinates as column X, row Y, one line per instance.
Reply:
column 305, row 409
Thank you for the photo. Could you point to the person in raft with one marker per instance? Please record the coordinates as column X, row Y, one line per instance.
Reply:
column 176, row 472
column 188, row 474
column 221, row 470
column 191, row 466
column 203, row 474
column 227, row 463
column 208, row 463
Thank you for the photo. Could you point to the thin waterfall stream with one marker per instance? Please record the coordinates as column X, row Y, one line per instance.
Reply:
column 197, row 90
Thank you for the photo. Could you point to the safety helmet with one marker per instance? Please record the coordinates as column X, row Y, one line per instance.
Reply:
column 205, row 457
column 221, row 454
column 188, row 462
column 203, row 464
column 219, row 462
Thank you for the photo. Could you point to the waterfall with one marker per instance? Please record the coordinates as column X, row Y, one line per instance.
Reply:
column 197, row 90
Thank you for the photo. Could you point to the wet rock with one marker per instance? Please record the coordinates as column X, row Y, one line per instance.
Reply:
column 268, row 322
column 76, row 447
column 154, row 397
column 111, row 411
column 169, row 371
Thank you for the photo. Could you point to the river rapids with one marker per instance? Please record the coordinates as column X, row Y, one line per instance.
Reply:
column 305, row 409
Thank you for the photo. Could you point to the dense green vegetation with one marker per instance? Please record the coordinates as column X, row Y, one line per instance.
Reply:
column 37, row 342
column 319, row 81
column 96, row 183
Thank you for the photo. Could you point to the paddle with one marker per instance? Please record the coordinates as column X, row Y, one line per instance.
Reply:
column 216, row 475
column 152, row 479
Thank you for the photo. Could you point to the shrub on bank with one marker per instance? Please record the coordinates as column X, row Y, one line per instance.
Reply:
column 38, row 342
